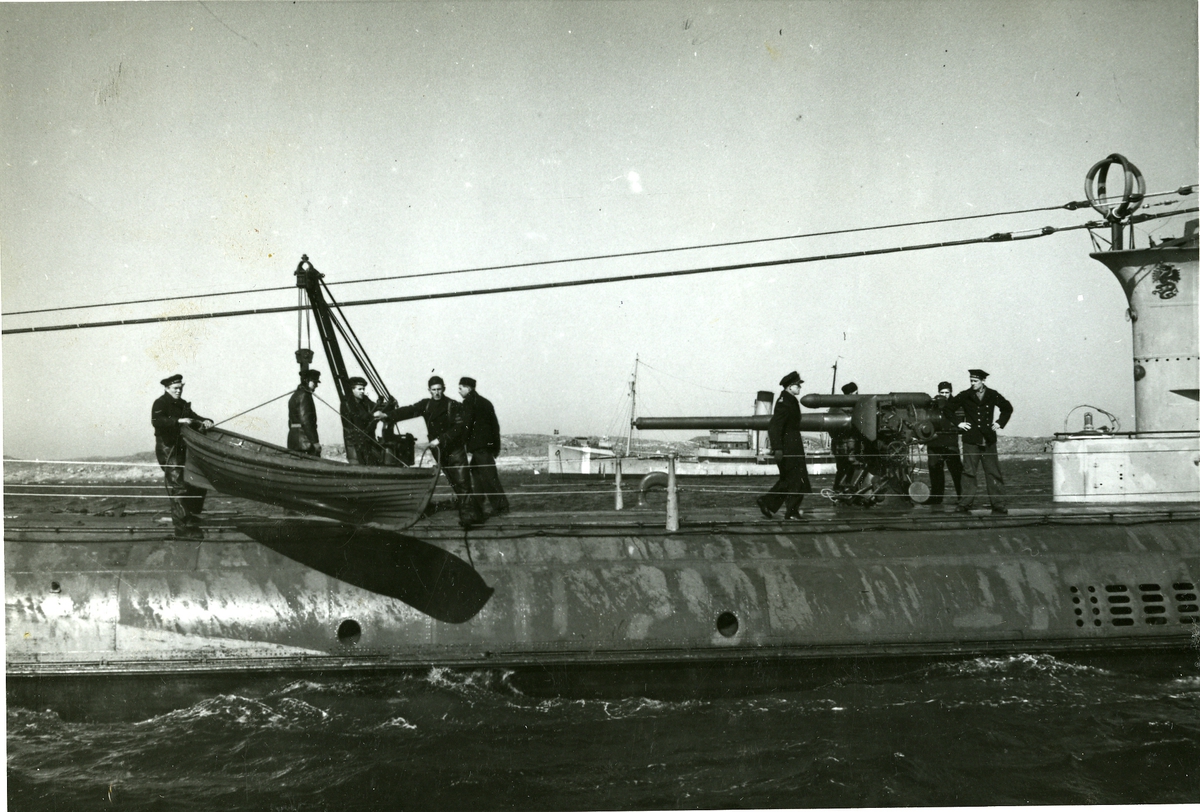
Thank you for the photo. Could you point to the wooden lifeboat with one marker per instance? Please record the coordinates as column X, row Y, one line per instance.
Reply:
column 237, row 465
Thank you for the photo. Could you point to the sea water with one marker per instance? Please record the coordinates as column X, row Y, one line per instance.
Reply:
column 992, row 730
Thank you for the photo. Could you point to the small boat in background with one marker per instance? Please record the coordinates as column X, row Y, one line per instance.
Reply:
column 237, row 465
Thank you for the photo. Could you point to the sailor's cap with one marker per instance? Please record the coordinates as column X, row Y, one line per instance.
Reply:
column 791, row 378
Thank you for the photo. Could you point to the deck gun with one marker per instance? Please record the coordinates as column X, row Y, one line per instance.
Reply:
column 879, row 431
column 879, row 441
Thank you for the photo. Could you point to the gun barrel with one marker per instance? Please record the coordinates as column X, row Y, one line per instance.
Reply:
column 808, row 422
column 918, row 399
column 754, row 422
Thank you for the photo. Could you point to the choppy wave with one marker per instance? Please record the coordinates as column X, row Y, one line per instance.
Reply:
column 990, row 730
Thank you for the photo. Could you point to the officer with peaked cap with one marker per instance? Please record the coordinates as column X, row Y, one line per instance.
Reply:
column 480, row 433
column 302, row 415
column 787, row 446
column 169, row 412
column 978, row 404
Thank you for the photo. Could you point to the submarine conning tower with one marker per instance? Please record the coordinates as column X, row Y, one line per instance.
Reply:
column 1160, row 460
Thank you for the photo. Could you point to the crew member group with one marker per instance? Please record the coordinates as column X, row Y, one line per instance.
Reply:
column 464, row 440
column 464, row 437
column 974, row 415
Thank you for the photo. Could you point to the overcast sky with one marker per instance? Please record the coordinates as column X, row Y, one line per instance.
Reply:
column 156, row 150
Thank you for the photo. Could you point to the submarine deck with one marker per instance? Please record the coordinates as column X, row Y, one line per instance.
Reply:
column 122, row 519
column 99, row 585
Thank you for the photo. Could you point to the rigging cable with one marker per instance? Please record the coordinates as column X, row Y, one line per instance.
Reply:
column 1010, row 236
column 1070, row 206
column 696, row 385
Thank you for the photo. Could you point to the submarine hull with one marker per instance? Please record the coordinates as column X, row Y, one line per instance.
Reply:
column 290, row 596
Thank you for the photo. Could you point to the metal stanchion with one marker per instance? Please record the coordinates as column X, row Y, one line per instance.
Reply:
column 620, row 505
column 672, row 497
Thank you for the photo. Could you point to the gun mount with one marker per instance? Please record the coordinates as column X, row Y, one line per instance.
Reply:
column 877, row 446
column 873, row 434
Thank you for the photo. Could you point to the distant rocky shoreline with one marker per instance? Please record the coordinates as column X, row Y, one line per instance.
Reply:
column 519, row 451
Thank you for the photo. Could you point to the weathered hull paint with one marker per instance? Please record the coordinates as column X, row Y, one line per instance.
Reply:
column 604, row 594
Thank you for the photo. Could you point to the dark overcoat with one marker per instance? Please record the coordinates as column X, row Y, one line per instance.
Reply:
column 302, row 421
column 165, row 414
column 356, row 420
column 979, row 412
column 440, row 418
column 481, row 429
column 946, row 418
column 784, row 429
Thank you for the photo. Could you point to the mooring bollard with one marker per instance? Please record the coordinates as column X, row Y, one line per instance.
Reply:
column 672, row 497
column 617, row 476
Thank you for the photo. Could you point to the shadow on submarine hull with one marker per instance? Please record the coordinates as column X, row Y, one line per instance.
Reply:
column 385, row 562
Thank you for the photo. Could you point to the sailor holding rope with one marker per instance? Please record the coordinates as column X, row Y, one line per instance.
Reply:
column 358, row 425
column 442, row 414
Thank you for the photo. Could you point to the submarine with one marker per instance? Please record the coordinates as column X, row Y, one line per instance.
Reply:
column 1110, row 567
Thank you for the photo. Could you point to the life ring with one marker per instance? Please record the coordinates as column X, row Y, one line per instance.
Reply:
column 658, row 479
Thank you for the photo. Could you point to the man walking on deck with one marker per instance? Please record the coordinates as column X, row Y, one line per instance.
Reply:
column 358, row 425
column 169, row 412
column 302, row 416
column 441, row 415
column 787, row 446
column 979, row 440
column 482, row 440
column 942, row 450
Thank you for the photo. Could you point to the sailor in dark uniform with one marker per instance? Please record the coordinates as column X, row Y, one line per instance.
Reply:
column 978, row 405
column 482, row 440
column 167, row 414
column 441, row 415
column 942, row 450
column 302, row 415
column 843, row 443
column 787, row 446
column 358, row 425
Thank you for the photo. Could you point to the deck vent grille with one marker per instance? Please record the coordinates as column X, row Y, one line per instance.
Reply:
column 1156, row 606
column 1185, row 602
column 1153, row 608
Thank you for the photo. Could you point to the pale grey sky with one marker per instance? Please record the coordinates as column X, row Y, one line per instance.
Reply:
column 157, row 150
